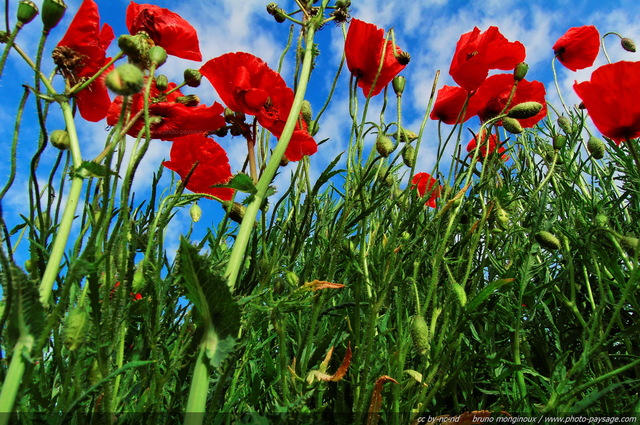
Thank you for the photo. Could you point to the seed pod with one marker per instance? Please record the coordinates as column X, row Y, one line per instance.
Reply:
column 398, row 84
column 27, row 11
column 52, row 13
column 596, row 147
column 384, row 145
column 547, row 240
column 525, row 110
column 520, row 71
column 512, row 125
column 75, row 328
column 419, row 334
column 409, row 156
column 126, row 79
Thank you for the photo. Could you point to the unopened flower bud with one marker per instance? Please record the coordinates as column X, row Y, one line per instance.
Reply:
column 189, row 100
column 520, row 71
column 384, row 145
column 136, row 47
column 628, row 45
column 229, row 115
column 398, row 84
column 305, row 111
column 547, row 240
column 27, row 11
column 565, row 124
column 292, row 279
column 596, row 147
column 272, row 8
column 126, row 79
column 236, row 211
column 157, row 55
column 52, row 13
column 525, row 110
column 409, row 156
column 195, row 212
column 420, row 334
column 502, row 218
column 60, row 139
column 192, row 77
column 406, row 136
column 559, row 141
column 162, row 82
column 512, row 125
column 629, row 244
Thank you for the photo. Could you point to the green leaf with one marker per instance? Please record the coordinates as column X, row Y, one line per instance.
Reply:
column 213, row 303
column 486, row 293
column 240, row 182
column 26, row 316
column 93, row 169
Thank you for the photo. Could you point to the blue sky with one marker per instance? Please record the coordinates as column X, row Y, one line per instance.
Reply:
column 428, row 30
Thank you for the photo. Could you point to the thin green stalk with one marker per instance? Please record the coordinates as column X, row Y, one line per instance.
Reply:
column 194, row 413
column 13, row 378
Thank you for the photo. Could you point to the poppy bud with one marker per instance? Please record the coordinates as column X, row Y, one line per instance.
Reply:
column 343, row 3
column 52, row 13
column 136, row 47
column 512, row 125
column 409, row 156
column 195, row 212
column 305, row 111
column 596, row 147
column 27, row 10
column 502, row 218
column 60, row 139
column 272, row 8
column 520, row 71
column 403, row 58
column 278, row 285
column 525, row 110
column 138, row 278
column 565, row 124
column 384, row 145
column 292, row 279
column 602, row 220
column 559, row 141
column 162, row 82
column 547, row 240
column 157, row 55
column 75, row 328
column 189, row 100
column 406, row 136
column 629, row 244
column 192, row 77
column 398, row 84
column 628, row 45
column 419, row 334
column 460, row 293
column 126, row 79
column 236, row 211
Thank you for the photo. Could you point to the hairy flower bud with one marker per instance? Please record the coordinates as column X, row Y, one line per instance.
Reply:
column 512, row 125
column 565, row 124
column 305, row 111
column 126, row 79
column 547, row 240
column 162, row 82
column 629, row 244
column 189, row 100
column 525, row 110
column 192, row 77
column 409, row 156
column 384, row 145
column 52, row 13
column 27, row 11
column 419, row 334
column 559, row 141
column 520, row 71
column 157, row 55
column 195, row 212
column 596, row 147
column 628, row 45
column 60, row 139
column 398, row 84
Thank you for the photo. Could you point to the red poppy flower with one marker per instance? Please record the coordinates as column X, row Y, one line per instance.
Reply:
column 246, row 84
column 80, row 54
column 477, row 53
column 166, row 29
column 212, row 165
column 494, row 93
column 449, row 103
column 610, row 99
column 487, row 147
column 363, row 51
column 169, row 119
column 578, row 47
column 424, row 184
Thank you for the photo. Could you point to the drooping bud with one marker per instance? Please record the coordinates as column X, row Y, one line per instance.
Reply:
column 628, row 45
column 384, row 145
column 136, row 47
column 409, row 156
column 547, row 240
column 419, row 334
column 195, row 212
column 525, row 110
column 157, row 55
column 162, row 82
column 126, row 79
column 229, row 115
column 520, row 71
column 305, row 111
column 192, row 77
column 27, row 11
column 236, row 211
column 189, row 100
column 460, row 293
column 565, row 124
column 559, row 141
column 52, row 13
column 406, row 136
column 629, row 244
column 596, row 147
column 512, row 125
column 274, row 10
column 60, row 139
column 403, row 58
column 398, row 84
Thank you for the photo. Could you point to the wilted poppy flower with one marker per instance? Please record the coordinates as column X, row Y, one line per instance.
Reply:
column 80, row 54
column 363, row 51
column 169, row 118
column 166, row 28
column 424, row 184
column 494, row 93
column 449, row 104
column 487, row 146
column 610, row 97
column 477, row 53
column 212, row 165
column 246, row 84
column 578, row 47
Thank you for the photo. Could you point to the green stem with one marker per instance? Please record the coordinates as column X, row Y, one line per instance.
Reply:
column 13, row 378
column 196, row 403
column 240, row 245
